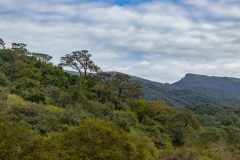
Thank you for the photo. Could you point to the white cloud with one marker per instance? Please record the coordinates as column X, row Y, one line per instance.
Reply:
column 156, row 40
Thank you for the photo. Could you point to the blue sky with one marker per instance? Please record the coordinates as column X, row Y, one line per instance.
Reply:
column 160, row 40
column 129, row 2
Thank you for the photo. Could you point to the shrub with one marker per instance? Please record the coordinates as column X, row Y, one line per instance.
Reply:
column 99, row 140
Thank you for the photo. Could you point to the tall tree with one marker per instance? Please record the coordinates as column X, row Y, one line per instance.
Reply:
column 116, row 87
column 80, row 61
column 2, row 43
column 183, row 126
column 124, row 88
column 20, row 48
column 185, row 120
column 42, row 57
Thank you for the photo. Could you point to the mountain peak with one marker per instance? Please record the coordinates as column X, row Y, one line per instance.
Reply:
column 209, row 83
column 191, row 75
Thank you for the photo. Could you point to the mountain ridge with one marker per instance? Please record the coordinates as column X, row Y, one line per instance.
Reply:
column 194, row 89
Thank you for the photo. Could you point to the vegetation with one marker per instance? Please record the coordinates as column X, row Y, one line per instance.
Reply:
column 49, row 114
column 80, row 61
column 194, row 90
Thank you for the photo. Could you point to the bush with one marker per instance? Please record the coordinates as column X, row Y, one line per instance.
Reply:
column 35, row 117
column 3, row 80
column 180, row 154
column 156, row 133
column 99, row 140
column 19, row 143
column 28, row 89
column 125, row 120
column 74, row 115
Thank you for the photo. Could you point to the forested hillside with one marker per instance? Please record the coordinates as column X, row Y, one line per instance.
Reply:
column 49, row 114
column 194, row 89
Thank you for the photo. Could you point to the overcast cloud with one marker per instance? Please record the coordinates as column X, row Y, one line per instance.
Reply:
column 158, row 40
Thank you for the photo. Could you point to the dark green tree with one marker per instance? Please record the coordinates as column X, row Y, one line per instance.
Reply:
column 42, row 57
column 20, row 48
column 183, row 126
column 117, row 88
column 2, row 43
column 80, row 61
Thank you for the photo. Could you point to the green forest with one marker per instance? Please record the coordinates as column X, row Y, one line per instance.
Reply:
column 47, row 113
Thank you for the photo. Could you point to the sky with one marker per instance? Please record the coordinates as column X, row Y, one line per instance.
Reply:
column 160, row 40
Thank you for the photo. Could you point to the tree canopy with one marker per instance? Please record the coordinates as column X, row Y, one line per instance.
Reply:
column 80, row 61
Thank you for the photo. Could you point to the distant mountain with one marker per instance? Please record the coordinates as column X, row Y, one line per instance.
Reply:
column 194, row 89
column 222, row 86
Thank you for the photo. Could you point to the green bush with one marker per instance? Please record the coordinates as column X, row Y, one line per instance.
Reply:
column 19, row 143
column 35, row 117
column 3, row 80
column 125, row 120
column 99, row 140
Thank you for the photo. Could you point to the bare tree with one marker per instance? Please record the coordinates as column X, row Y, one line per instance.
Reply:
column 80, row 61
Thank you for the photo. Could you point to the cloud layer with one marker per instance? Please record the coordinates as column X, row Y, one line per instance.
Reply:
column 158, row 40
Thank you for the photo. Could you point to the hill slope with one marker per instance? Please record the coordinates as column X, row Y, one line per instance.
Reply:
column 194, row 89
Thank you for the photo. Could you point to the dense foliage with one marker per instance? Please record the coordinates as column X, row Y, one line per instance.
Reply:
column 49, row 114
